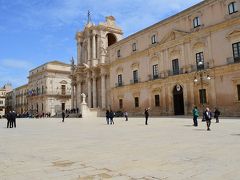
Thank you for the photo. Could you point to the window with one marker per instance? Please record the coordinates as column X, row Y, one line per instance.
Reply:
column 42, row 106
column 120, row 103
column 175, row 66
column 157, row 100
column 118, row 53
column 134, row 47
column 42, row 89
column 135, row 76
column 236, row 51
column 155, row 71
column 200, row 61
column 63, row 89
column 154, row 39
column 196, row 22
column 136, row 100
column 1, row 102
column 238, row 90
column 232, row 8
column 120, row 80
column 202, row 96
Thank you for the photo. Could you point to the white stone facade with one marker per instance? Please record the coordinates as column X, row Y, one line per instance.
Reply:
column 91, row 75
column 156, row 67
column 49, row 88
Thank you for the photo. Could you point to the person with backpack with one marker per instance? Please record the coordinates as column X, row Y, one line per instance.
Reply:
column 195, row 116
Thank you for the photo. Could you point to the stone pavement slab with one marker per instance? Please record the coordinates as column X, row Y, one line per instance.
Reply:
column 80, row 149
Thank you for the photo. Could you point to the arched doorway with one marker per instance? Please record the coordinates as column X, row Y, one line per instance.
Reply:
column 178, row 100
column 111, row 39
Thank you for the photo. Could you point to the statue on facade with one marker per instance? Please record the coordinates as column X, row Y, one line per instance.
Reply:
column 84, row 98
column 72, row 63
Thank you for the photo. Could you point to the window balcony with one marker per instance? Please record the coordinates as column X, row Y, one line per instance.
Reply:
column 118, row 84
column 134, row 81
column 232, row 60
column 199, row 68
column 154, row 77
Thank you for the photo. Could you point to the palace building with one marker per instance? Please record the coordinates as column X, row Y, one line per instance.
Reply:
column 49, row 88
column 191, row 58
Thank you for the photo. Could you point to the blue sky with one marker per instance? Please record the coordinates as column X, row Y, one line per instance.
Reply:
column 33, row 32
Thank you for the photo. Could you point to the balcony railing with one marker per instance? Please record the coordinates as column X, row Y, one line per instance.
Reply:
column 134, row 81
column 118, row 84
column 199, row 68
column 232, row 60
column 154, row 77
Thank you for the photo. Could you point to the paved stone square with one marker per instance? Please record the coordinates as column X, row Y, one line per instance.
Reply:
column 168, row 148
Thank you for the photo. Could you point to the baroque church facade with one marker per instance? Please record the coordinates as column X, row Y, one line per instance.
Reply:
column 191, row 58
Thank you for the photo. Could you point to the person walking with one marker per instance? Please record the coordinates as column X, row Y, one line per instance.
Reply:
column 217, row 114
column 111, row 115
column 107, row 116
column 195, row 116
column 146, row 113
column 63, row 116
column 13, row 118
column 208, row 117
column 126, row 115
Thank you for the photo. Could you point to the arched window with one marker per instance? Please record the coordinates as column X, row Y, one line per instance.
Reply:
column 111, row 39
column 232, row 8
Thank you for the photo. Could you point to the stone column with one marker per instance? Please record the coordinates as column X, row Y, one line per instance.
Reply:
column 89, row 93
column 75, row 96
column 94, row 46
column 94, row 92
column 79, row 94
column 89, row 51
column 163, row 98
column 213, row 93
column 103, row 90
column 183, row 58
column 79, row 52
column 72, row 96
column 166, row 64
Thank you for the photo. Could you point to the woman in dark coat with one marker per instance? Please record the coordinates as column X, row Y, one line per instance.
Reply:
column 146, row 113
column 111, row 115
column 216, row 115
column 107, row 116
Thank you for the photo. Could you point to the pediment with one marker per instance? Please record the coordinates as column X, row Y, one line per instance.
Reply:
column 63, row 82
column 175, row 34
column 234, row 33
column 119, row 70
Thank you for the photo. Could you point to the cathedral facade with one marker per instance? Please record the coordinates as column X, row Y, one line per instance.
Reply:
column 189, row 59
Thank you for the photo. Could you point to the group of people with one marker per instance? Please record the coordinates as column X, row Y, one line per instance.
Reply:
column 11, row 119
column 69, row 111
column 109, row 117
column 207, row 116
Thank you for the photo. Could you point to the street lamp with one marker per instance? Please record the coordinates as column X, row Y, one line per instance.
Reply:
column 202, row 74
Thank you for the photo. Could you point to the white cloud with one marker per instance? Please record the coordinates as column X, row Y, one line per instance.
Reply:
column 16, row 64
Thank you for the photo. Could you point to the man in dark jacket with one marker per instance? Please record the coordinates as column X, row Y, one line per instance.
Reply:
column 216, row 115
column 63, row 116
column 146, row 113
column 13, row 118
column 111, row 116
column 208, row 117
column 8, row 116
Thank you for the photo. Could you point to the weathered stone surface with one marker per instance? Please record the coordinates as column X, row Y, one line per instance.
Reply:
column 79, row 149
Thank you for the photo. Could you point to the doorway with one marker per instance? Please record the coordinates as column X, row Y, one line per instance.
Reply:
column 178, row 100
column 63, row 106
